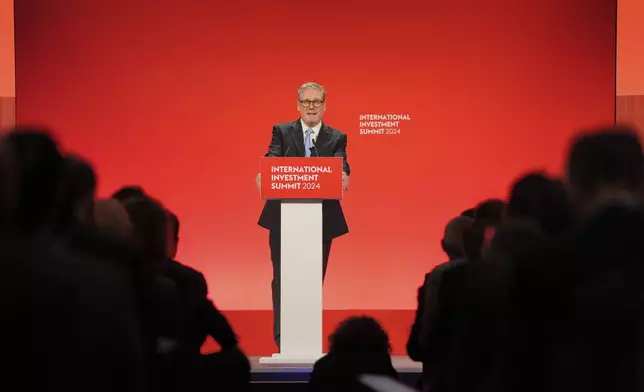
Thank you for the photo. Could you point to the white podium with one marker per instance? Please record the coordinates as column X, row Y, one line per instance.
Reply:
column 301, row 249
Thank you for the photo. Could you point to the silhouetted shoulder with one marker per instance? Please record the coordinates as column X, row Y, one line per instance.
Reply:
column 440, row 269
column 339, row 371
column 185, row 271
column 187, row 278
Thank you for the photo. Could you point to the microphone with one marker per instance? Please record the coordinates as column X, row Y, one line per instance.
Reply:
column 287, row 150
column 314, row 147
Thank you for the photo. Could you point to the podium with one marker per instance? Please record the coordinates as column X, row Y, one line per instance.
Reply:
column 300, row 184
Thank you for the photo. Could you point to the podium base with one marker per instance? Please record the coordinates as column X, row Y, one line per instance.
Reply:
column 281, row 358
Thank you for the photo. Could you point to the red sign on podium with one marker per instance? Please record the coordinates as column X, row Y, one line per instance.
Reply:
column 301, row 178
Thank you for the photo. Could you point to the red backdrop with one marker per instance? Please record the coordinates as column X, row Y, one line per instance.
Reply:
column 180, row 97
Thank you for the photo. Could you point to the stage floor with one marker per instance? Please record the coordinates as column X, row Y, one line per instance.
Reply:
column 300, row 373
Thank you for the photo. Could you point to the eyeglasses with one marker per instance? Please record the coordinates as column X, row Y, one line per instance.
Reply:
column 316, row 104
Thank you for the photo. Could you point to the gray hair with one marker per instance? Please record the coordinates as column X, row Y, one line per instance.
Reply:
column 312, row 85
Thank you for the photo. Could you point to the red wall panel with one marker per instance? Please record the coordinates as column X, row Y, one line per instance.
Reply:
column 180, row 97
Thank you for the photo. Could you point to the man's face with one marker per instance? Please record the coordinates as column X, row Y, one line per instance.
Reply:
column 311, row 106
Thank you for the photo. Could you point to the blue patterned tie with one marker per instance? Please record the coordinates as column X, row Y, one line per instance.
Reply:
column 307, row 143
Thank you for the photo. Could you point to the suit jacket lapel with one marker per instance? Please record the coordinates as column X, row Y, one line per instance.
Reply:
column 297, row 136
column 323, row 138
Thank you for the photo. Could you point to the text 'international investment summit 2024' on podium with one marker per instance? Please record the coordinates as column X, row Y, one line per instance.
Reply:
column 301, row 184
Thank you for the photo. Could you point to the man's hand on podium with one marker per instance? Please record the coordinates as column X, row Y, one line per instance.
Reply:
column 258, row 182
column 345, row 181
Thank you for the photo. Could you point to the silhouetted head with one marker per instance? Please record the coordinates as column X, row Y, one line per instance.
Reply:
column 111, row 217
column 473, row 240
column 173, row 234
column 149, row 230
column 543, row 200
column 470, row 213
column 490, row 212
column 605, row 166
column 359, row 335
column 78, row 189
column 513, row 240
column 37, row 169
column 452, row 242
column 128, row 192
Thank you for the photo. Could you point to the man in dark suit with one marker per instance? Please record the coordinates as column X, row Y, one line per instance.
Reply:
column 201, row 319
column 305, row 137
column 452, row 244
column 424, row 330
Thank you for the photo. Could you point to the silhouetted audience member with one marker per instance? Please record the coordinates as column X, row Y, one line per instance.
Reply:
column 443, row 324
column 541, row 199
column 466, row 326
column 85, row 306
column 76, row 224
column 514, row 239
column 490, row 212
column 482, row 361
column 605, row 168
column 38, row 167
column 31, row 291
column 204, row 318
column 578, row 301
column 478, row 356
column 538, row 211
column 78, row 189
column 200, row 318
column 359, row 345
column 128, row 192
column 452, row 244
column 470, row 213
column 149, row 231
column 111, row 217
column 173, row 234
column 161, row 313
column 9, row 183
column 474, row 240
